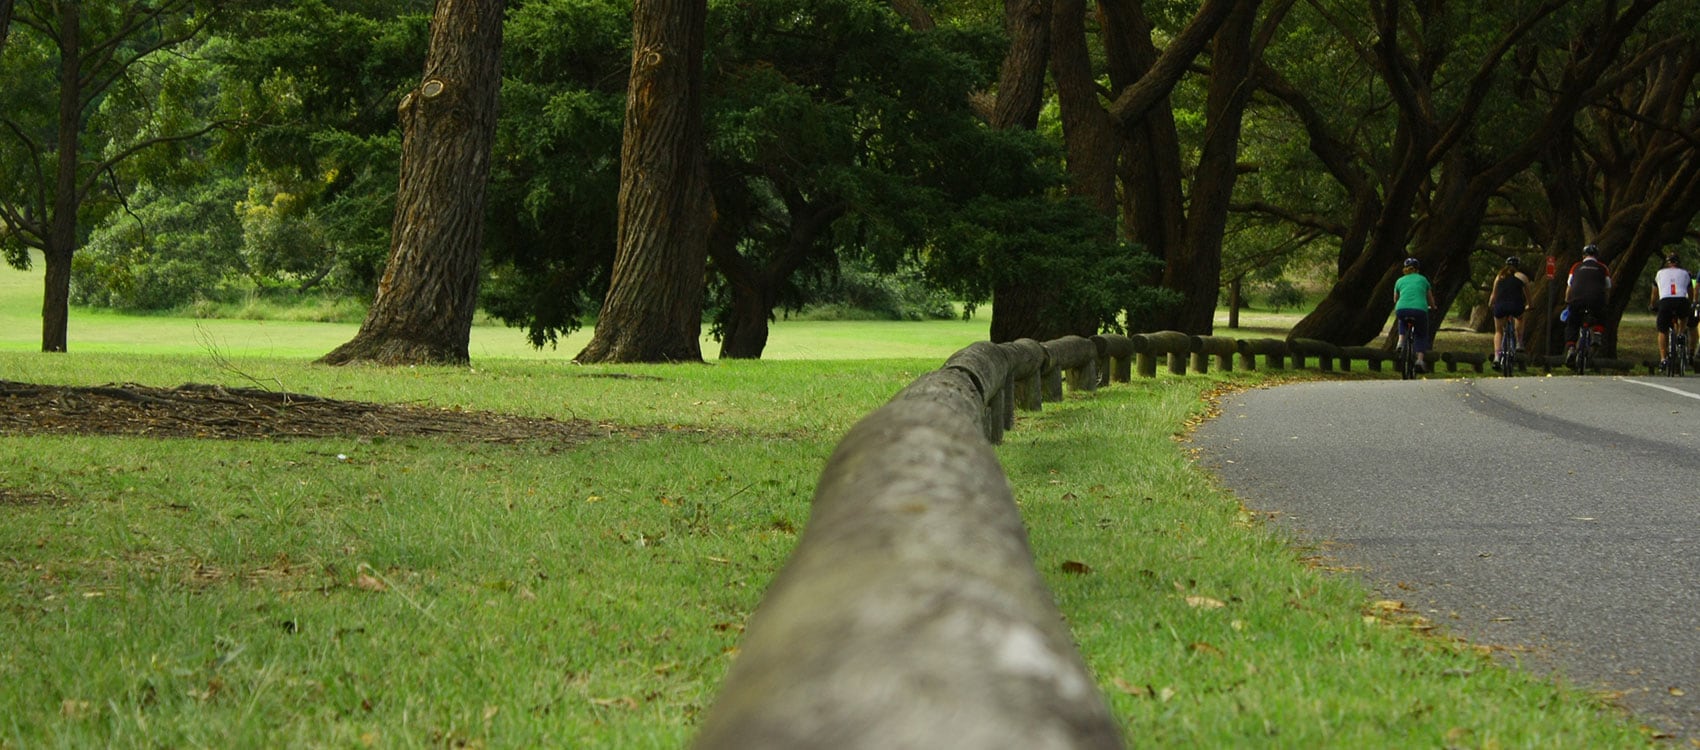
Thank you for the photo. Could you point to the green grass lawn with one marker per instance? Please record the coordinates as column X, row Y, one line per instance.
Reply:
column 92, row 330
column 411, row 592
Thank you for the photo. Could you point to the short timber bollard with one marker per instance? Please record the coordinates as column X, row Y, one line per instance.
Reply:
column 1115, row 358
column 1371, row 356
column 1220, row 347
column 1324, row 352
column 1076, row 356
column 1172, row 344
column 1273, row 351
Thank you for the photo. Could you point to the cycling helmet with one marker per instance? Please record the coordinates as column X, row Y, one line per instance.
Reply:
column 1591, row 251
column 1673, row 259
column 1413, row 263
column 1512, row 261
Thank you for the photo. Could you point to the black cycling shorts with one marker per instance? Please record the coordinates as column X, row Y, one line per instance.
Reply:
column 1669, row 309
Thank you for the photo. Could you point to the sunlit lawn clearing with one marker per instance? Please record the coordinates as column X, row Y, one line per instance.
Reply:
column 406, row 592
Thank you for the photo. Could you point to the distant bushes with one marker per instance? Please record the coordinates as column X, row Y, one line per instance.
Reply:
column 858, row 293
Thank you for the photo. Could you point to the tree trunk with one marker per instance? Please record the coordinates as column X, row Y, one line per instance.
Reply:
column 429, row 293
column 755, row 288
column 1194, row 269
column 62, row 226
column 1235, row 301
column 5, row 23
column 1019, row 304
column 653, row 311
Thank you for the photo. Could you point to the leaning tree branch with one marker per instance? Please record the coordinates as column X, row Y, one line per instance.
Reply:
column 1482, row 82
column 135, row 148
column 1309, row 221
column 1136, row 100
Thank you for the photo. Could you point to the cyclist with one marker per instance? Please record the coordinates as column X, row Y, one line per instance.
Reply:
column 1673, row 297
column 1509, row 299
column 1585, row 293
column 1412, row 298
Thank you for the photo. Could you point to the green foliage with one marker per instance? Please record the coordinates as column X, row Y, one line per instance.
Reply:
column 142, row 92
column 168, row 250
column 1283, row 293
column 323, row 80
column 858, row 291
column 555, row 175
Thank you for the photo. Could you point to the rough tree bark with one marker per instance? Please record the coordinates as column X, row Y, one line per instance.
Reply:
column 1134, row 138
column 1019, row 303
column 429, row 292
column 653, row 310
column 755, row 284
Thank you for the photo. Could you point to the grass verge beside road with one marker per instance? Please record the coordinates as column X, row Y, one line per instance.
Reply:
column 402, row 592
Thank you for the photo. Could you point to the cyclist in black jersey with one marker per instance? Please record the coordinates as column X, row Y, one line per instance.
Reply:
column 1585, row 294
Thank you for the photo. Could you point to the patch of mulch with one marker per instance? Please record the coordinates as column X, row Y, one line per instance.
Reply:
column 218, row 412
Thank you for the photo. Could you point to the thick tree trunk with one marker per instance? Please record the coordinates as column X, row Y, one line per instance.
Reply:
column 653, row 311
column 755, row 289
column 1150, row 171
column 429, row 293
column 1194, row 269
column 62, row 226
column 1019, row 304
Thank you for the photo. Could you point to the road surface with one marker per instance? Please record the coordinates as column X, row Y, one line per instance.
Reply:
column 1556, row 516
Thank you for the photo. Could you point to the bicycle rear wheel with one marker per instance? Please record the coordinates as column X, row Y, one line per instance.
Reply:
column 1508, row 349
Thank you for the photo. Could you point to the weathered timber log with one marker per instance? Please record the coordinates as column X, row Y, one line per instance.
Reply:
column 1076, row 356
column 1115, row 358
column 1172, row 344
column 1273, row 351
column 910, row 614
column 1324, row 352
column 991, row 368
column 1370, row 355
column 1220, row 347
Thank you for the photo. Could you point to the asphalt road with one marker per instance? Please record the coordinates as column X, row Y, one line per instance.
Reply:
column 1556, row 516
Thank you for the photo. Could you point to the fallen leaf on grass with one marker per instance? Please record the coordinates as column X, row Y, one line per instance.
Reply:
column 1138, row 691
column 1075, row 567
column 624, row 701
column 367, row 582
column 1205, row 602
column 1205, row 648
column 74, row 709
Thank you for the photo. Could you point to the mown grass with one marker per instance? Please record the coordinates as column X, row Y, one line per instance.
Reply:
column 351, row 592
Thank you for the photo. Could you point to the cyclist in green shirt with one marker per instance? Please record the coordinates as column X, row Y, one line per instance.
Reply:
column 1413, row 296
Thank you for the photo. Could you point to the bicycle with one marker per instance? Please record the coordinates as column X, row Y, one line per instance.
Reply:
column 1507, row 356
column 1676, row 350
column 1406, row 354
column 1588, row 338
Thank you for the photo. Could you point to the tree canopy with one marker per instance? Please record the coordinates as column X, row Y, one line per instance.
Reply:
column 1078, row 165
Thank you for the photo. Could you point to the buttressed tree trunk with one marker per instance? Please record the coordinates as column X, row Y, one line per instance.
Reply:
column 653, row 311
column 428, row 295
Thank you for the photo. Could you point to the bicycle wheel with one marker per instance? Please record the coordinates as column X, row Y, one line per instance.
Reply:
column 1406, row 359
column 1508, row 350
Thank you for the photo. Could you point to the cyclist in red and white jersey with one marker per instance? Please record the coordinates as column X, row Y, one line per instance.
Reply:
column 1673, row 297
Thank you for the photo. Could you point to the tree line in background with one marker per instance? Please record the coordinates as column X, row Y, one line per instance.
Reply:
column 653, row 164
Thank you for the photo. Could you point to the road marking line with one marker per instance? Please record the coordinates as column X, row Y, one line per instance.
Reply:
column 1666, row 388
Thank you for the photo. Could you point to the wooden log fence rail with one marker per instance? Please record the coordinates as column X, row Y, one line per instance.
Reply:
column 910, row 614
